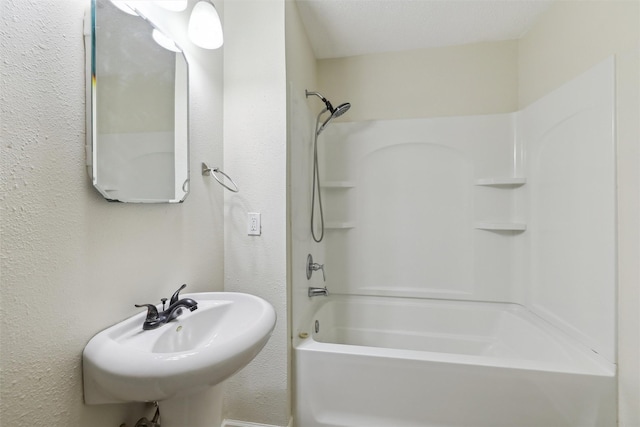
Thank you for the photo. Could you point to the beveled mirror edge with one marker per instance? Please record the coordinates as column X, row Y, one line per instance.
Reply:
column 89, row 17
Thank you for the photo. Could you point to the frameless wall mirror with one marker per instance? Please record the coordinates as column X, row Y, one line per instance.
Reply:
column 137, row 118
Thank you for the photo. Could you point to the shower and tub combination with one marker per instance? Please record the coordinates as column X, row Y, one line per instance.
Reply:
column 470, row 263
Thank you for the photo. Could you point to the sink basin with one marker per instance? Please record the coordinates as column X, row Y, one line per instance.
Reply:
column 190, row 354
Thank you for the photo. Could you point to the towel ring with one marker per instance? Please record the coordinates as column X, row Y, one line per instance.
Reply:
column 207, row 171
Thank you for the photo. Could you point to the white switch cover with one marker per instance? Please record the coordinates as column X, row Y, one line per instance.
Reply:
column 254, row 227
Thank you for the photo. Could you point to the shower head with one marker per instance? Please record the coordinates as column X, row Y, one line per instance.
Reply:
column 335, row 112
column 340, row 110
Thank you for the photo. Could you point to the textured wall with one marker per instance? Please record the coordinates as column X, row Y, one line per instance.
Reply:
column 571, row 37
column 72, row 263
column 302, row 112
column 472, row 79
column 255, row 155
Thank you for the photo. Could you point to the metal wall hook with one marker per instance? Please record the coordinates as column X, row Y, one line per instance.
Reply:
column 214, row 172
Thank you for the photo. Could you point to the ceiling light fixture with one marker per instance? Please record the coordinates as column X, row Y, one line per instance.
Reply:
column 164, row 41
column 205, row 28
column 173, row 5
column 124, row 6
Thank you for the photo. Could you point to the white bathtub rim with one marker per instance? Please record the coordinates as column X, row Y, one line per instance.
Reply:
column 598, row 369
column 587, row 362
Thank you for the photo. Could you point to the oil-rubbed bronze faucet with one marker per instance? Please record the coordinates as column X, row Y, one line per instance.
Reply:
column 154, row 318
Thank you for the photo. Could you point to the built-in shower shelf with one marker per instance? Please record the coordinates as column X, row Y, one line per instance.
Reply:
column 501, row 226
column 339, row 225
column 338, row 184
column 502, row 181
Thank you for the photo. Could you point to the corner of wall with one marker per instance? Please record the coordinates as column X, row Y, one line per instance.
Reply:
column 255, row 155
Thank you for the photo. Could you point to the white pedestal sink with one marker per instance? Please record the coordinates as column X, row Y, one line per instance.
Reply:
column 179, row 364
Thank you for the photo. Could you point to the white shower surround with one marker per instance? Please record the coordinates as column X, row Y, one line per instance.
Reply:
column 513, row 208
column 436, row 208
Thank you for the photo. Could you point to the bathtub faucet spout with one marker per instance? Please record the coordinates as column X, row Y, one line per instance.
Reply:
column 314, row 292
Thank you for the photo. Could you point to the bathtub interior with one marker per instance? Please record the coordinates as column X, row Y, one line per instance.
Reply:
column 498, row 334
column 387, row 361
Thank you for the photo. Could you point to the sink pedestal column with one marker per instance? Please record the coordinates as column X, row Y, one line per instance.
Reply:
column 201, row 409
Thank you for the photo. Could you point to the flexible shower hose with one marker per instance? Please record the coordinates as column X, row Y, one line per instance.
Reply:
column 316, row 187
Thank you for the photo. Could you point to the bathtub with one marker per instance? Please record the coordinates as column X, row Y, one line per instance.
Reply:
column 400, row 362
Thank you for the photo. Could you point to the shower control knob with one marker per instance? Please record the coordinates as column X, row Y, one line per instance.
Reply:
column 314, row 266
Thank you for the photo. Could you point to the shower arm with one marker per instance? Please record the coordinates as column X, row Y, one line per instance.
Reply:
column 325, row 100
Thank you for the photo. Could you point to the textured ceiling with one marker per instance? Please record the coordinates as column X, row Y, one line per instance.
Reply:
column 338, row 28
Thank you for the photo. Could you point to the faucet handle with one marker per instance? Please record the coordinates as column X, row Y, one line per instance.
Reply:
column 176, row 295
column 314, row 266
column 152, row 311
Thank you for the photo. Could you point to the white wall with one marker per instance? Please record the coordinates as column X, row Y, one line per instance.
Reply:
column 571, row 37
column 301, row 114
column 255, row 155
column 71, row 262
column 464, row 80
column 628, row 147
